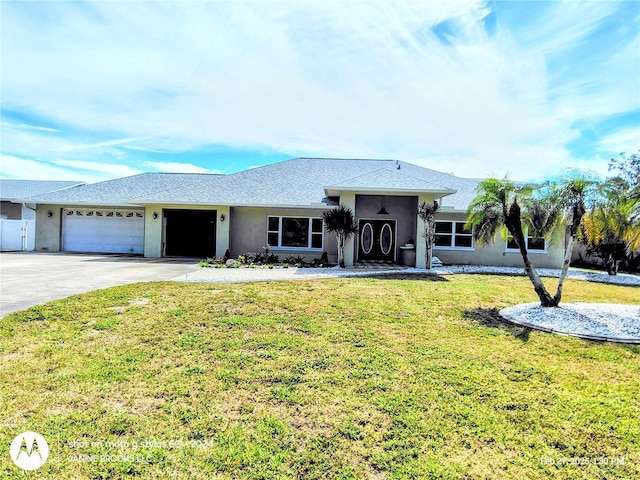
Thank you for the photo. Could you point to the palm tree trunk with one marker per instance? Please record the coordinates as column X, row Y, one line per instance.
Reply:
column 538, row 286
column 340, row 250
column 515, row 227
column 568, row 251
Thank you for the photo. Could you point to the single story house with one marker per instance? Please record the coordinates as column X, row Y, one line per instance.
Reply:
column 17, row 217
column 12, row 193
column 203, row 215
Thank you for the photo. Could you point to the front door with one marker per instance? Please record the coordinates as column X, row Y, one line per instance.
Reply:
column 377, row 240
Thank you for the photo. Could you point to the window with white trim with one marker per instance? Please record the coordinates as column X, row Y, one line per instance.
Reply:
column 296, row 233
column 450, row 234
column 534, row 244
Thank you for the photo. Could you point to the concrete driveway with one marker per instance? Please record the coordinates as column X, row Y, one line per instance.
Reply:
column 28, row 278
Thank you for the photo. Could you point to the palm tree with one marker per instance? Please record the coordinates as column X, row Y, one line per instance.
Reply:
column 497, row 206
column 427, row 213
column 610, row 229
column 341, row 222
column 562, row 205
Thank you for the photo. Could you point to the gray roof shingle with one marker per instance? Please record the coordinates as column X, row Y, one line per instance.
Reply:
column 116, row 192
column 297, row 182
column 304, row 181
column 387, row 179
column 19, row 189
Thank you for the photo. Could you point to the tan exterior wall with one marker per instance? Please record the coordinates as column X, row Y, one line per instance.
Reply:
column 348, row 199
column 248, row 232
column 421, row 246
column 48, row 229
column 495, row 253
column 153, row 227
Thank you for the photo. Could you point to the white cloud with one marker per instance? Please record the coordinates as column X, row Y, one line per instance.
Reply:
column 108, row 170
column 26, row 126
column 27, row 169
column 106, row 143
column 177, row 167
column 627, row 140
column 351, row 79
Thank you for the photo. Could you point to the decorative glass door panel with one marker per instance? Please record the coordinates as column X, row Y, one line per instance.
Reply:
column 377, row 240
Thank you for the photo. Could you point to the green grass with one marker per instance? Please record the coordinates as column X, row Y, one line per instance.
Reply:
column 347, row 378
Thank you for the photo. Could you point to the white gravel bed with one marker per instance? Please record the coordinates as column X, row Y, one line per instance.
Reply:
column 227, row 275
column 597, row 321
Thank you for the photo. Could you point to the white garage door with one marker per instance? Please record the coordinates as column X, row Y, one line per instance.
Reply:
column 102, row 231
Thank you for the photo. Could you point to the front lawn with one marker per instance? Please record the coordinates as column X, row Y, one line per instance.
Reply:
column 347, row 378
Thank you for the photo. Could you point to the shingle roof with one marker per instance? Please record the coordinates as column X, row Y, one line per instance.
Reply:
column 296, row 182
column 116, row 192
column 387, row 179
column 303, row 181
column 19, row 189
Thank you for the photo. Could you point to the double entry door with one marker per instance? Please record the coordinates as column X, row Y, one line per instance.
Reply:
column 377, row 240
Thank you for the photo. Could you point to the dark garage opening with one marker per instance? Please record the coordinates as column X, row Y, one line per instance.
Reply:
column 190, row 233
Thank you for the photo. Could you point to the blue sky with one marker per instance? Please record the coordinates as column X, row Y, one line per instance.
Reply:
column 93, row 91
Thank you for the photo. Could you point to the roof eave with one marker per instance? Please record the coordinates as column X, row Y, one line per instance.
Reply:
column 314, row 205
column 335, row 191
column 84, row 204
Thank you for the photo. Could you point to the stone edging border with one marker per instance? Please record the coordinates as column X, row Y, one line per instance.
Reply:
column 594, row 338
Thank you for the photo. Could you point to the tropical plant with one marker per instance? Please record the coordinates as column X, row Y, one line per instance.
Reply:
column 610, row 230
column 628, row 168
column 341, row 222
column 501, row 206
column 559, row 206
column 427, row 213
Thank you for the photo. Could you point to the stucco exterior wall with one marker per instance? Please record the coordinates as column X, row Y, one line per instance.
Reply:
column 495, row 253
column 348, row 199
column 48, row 229
column 248, row 232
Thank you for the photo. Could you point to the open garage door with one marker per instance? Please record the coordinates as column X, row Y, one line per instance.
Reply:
column 103, row 230
column 189, row 233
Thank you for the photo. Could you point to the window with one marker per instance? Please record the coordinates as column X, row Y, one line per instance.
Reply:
column 534, row 244
column 295, row 232
column 452, row 235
